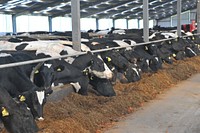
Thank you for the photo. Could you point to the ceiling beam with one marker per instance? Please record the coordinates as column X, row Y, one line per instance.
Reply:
column 85, row 6
column 140, row 12
column 106, row 8
column 40, row 6
column 121, row 10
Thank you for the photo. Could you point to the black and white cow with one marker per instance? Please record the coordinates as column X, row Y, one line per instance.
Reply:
column 57, row 48
column 44, row 73
column 122, row 65
column 19, row 85
column 103, row 86
column 95, row 65
column 96, row 68
column 88, row 63
column 117, row 61
column 15, row 116
column 53, row 72
column 68, row 74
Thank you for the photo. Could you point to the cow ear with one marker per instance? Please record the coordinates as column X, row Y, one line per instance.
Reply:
column 4, row 112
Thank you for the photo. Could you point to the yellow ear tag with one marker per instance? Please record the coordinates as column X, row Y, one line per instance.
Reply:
column 36, row 72
column 22, row 98
column 4, row 112
column 109, row 59
column 59, row 70
column 174, row 55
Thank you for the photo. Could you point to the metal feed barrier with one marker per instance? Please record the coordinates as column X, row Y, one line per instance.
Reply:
column 82, row 53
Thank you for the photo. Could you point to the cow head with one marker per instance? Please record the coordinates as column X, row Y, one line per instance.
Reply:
column 103, row 86
column 18, row 118
column 15, row 115
column 44, row 76
column 99, row 68
column 156, row 63
column 132, row 74
column 35, row 100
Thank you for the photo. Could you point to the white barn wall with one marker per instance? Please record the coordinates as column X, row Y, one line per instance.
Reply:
column 105, row 24
column 5, row 23
column 151, row 24
column 61, row 24
column 186, row 18
column 121, row 23
column 32, row 23
column 133, row 24
column 165, row 22
column 88, row 24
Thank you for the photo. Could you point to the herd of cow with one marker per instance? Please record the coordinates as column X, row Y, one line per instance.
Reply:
column 24, row 88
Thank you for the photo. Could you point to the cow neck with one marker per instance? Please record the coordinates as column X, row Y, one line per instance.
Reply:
column 82, row 62
column 40, row 96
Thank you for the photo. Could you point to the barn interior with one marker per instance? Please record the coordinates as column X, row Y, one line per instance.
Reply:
column 119, row 26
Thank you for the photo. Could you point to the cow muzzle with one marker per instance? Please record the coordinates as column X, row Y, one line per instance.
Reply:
column 40, row 119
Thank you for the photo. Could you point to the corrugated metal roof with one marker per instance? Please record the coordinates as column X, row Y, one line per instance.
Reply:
column 116, row 9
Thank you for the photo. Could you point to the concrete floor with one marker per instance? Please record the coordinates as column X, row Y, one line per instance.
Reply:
column 176, row 111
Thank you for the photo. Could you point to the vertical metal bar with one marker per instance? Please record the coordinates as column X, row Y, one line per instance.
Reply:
column 146, row 20
column 114, row 23
column 50, row 23
column 97, row 23
column 198, row 16
column 14, row 23
column 171, row 21
column 127, row 24
column 76, row 33
column 138, row 22
column 179, row 17
column 189, row 18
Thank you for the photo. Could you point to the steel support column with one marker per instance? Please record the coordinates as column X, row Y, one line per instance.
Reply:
column 146, row 20
column 138, row 23
column 127, row 24
column 114, row 23
column 50, row 23
column 97, row 23
column 76, row 33
column 14, row 23
column 198, row 16
column 179, row 17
